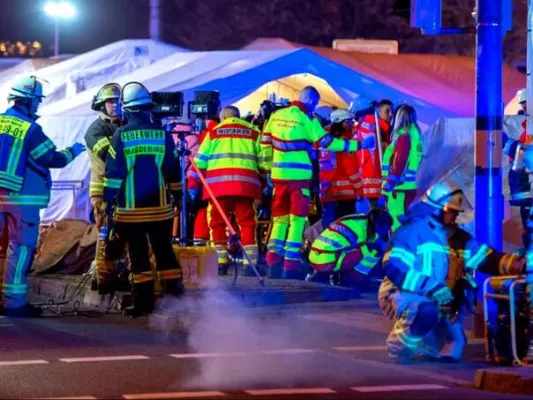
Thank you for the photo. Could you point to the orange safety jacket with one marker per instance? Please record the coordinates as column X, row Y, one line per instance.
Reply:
column 339, row 174
column 368, row 159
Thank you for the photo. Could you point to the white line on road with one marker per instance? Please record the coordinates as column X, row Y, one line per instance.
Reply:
column 281, row 392
column 68, row 398
column 175, row 395
column 98, row 359
column 397, row 388
column 359, row 348
column 22, row 362
column 241, row 354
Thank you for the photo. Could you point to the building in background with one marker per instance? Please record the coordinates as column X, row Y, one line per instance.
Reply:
column 20, row 49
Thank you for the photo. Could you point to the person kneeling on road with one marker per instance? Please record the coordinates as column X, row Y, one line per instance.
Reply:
column 429, row 268
column 351, row 246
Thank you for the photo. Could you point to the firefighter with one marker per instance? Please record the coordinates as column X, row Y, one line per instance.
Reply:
column 401, row 162
column 368, row 159
column 26, row 156
column 288, row 138
column 228, row 158
column 429, row 268
column 97, row 139
column 140, row 165
column 339, row 181
column 352, row 245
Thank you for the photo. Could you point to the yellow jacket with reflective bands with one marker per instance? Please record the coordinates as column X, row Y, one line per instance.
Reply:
column 287, row 140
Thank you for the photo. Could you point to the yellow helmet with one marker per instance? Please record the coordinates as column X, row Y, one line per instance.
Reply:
column 447, row 197
column 106, row 92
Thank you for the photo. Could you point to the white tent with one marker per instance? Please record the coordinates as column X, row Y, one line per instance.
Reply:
column 89, row 70
column 242, row 77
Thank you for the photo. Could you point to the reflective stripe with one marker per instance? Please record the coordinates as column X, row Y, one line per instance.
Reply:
column 42, row 149
column 8, row 288
column 242, row 156
column 297, row 145
column 201, row 157
column 130, row 183
column 520, row 196
column 168, row 274
column 20, row 266
column 326, row 140
column 371, row 181
column 144, row 142
column 112, row 183
column 68, row 155
column 26, row 200
column 96, row 188
column 411, row 280
column 112, row 152
column 234, row 178
column 142, row 277
column 292, row 165
column 403, row 255
column 477, row 258
column 101, row 144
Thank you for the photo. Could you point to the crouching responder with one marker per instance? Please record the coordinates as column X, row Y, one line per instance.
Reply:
column 429, row 268
column 288, row 138
column 98, row 138
column 401, row 162
column 339, row 182
column 228, row 158
column 26, row 156
column 351, row 246
column 140, row 164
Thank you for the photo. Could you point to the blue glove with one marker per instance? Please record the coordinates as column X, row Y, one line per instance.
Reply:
column 388, row 187
column 76, row 149
column 368, row 143
column 382, row 202
column 193, row 194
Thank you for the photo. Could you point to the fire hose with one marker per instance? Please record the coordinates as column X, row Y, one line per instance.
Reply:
column 233, row 235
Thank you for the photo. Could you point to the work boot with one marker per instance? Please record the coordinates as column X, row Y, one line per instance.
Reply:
column 291, row 270
column 143, row 299
column 174, row 287
column 94, row 285
column 401, row 357
column 223, row 269
column 275, row 265
column 26, row 311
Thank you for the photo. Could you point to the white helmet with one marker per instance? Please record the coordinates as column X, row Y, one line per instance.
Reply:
column 446, row 197
column 340, row 114
column 26, row 88
column 522, row 96
column 135, row 94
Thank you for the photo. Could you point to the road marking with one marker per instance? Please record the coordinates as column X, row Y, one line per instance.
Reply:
column 5, row 325
column 241, row 354
column 22, row 362
column 397, row 388
column 175, row 395
column 359, row 348
column 68, row 398
column 281, row 392
column 97, row 359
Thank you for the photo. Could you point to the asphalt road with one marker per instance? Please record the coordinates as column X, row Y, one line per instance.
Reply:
column 218, row 348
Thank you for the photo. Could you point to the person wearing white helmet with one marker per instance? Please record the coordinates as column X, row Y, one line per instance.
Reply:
column 429, row 268
column 140, row 166
column 522, row 100
column 340, row 183
column 26, row 156
column 97, row 139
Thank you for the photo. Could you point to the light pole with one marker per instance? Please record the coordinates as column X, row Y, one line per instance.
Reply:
column 59, row 10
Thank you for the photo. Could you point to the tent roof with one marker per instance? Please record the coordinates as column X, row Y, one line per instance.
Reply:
column 446, row 81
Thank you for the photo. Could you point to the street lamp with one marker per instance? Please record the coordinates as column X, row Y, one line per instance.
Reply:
column 59, row 10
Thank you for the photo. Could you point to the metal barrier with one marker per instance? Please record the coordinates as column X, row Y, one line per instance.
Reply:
column 75, row 187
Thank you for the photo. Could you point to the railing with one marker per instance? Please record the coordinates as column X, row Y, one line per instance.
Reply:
column 75, row 187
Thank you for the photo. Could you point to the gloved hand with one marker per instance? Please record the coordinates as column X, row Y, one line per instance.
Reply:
column 76, row 149
column 442, row 295
column 368, row 143
column 388, row 187
column 193, row 194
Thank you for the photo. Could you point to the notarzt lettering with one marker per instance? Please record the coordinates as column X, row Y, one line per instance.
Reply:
column 234, row 131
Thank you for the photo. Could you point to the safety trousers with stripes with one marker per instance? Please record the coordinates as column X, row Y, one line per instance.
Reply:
column 19, row 232
column 420, row 329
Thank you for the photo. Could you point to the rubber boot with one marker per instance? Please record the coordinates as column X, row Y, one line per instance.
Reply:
column 26, row 311
column 143, row 299
column 173, row 287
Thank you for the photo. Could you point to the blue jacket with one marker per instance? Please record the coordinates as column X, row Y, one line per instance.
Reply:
column 26, row 156
column 140, row 167
column 423, row 255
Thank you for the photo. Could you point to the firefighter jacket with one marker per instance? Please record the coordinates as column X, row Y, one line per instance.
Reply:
column 26, row 156
column 288, row 140
column 228, row 158
column 423, row 255
column 140, row 165
column 347, row 234
column 339, row 174
column 401, row 160
column 98, row 138
column 368, row 159
column 519, row 186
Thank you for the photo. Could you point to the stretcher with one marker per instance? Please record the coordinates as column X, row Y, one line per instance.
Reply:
column 507, row 317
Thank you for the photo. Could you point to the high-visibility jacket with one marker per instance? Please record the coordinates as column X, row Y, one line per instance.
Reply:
column 519, row 185
column 368, row 159
column 288, row 138
column 228, row 159
column 26, row 156
column 140, row 166
column 402, row 159
column 423, row 256
column 342, row 236
column 98, row 138
column 339, row 174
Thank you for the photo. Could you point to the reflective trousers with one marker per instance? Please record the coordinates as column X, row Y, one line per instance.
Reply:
column 244, row 211
column 419, row 329
column 397, row 203
column 201, row 227
column 140, row 236
column 19, row 233
column 290, row 208
column 105, row 269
